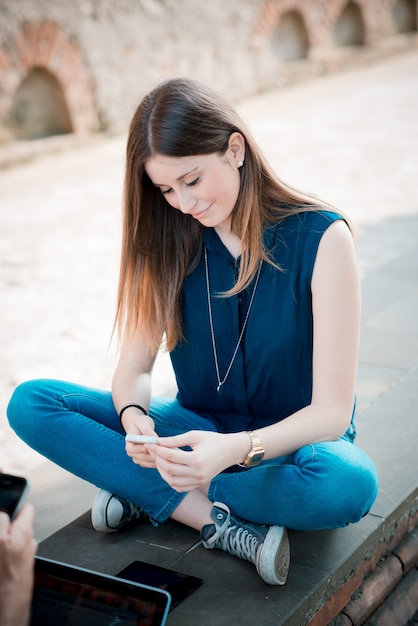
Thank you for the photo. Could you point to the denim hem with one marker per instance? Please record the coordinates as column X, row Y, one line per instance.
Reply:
column 167, row 509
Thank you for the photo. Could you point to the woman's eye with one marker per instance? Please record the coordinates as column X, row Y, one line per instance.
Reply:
column 165, row 191
column 193, row 182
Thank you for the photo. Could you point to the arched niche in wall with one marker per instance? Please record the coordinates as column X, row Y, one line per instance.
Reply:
column 46, row 87
column 39, row 108
column 349, row 29
column 290, row 40
column 405, row 16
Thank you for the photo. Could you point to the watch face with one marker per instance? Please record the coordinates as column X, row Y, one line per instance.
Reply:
column 256, row 458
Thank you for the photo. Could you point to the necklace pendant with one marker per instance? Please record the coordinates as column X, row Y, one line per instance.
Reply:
column 219, row 388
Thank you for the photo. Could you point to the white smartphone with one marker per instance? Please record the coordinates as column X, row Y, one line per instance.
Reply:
column 141, row 439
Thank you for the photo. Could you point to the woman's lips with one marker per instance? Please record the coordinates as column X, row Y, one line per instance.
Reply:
column 201, row 214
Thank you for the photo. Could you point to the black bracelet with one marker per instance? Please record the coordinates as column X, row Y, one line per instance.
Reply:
column 126, row 406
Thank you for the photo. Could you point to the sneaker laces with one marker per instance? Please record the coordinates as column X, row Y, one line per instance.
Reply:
column 240, row 542
column 267, row 547
column 131, row 512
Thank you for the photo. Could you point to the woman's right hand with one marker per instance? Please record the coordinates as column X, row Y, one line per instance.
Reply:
column 141, row 453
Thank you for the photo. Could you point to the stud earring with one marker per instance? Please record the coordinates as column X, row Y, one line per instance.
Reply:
column 240, row 163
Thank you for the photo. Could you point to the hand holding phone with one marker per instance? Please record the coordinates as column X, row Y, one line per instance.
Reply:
column 13, row 492
column 17, row 551
column 141, row 439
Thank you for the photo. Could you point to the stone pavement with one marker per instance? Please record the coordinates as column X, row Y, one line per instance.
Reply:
column 351, row 139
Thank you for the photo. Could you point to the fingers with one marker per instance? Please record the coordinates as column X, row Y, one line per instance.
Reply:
column 26, row 516
column 181, row 470
column 22, row 524
column 16, row 537
column 184, row 461
column 21, row 529
column 179, row 482
column 141, row 453
column 172, row 468
column 4, row 524
column 188, row 439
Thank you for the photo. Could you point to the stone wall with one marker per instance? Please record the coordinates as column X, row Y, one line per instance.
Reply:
column 83, row 65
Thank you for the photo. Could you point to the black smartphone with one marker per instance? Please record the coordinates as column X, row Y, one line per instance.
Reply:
column 178, row 585
column 13, row 492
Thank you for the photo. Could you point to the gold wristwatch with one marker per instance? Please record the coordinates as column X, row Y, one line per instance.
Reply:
column 256, row 454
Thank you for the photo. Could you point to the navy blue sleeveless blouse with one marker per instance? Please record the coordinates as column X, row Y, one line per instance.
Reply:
column 271, row 376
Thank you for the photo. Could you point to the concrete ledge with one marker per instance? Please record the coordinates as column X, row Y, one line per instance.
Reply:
column 328, row 567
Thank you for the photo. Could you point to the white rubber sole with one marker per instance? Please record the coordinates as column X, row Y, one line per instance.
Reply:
column 273, row 560
column 99, row 512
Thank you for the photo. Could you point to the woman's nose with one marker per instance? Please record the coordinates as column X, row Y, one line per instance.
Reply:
column 186, row 202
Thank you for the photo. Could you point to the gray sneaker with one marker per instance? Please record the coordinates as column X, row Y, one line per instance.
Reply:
column 111, row 513
column 265, row 546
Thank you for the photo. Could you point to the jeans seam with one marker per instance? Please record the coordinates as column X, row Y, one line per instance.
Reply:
column 64, row 396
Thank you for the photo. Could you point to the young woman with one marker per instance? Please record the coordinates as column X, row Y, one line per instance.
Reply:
column 255, row 290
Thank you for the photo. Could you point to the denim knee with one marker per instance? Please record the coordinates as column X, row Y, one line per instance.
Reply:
column 321, row 486
column 21, row 405
column 349, row 482
column 364, row 490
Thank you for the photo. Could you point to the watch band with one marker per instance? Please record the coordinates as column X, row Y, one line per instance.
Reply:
column 256, row 454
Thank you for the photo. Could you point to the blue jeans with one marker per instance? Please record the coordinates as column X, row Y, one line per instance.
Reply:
column 323, row 485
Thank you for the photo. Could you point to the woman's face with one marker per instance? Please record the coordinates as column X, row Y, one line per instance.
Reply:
column 203, row 186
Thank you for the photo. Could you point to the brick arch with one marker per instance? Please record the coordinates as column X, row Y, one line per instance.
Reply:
column 349, row 29
column 405, row 16
column 39, row 108
column 290, row 40
column 319, row 20
column 44, row 45
column 273, row 10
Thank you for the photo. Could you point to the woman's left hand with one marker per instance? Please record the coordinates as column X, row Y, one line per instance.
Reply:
column 210, row 453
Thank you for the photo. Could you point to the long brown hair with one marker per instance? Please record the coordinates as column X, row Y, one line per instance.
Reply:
column 160, row 245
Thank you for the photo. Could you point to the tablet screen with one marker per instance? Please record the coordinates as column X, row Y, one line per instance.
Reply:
column 71, row 596
column 178, row 585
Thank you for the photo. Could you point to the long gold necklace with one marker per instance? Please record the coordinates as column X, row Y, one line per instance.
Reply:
column 212, row 332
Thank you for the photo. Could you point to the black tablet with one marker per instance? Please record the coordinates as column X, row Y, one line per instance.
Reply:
column 178, row 585
column 67, row 595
